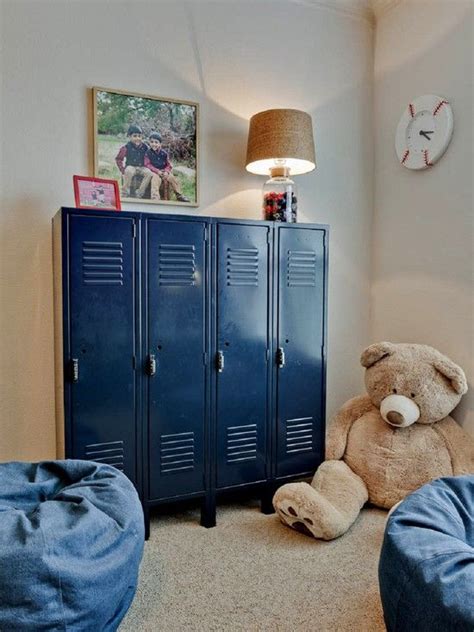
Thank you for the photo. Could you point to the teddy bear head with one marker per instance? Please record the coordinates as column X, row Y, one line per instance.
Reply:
column 412, row 383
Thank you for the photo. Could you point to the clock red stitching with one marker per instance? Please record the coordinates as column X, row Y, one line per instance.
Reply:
column 427, row 160
column 405, row 156
column 439, row 106
column 412, row 110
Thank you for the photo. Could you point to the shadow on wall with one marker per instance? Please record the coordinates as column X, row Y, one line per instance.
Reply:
column 423, row 250
column 26, row 360
column 421, row 33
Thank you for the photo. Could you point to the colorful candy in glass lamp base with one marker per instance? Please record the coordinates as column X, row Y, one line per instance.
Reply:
column 277, row 207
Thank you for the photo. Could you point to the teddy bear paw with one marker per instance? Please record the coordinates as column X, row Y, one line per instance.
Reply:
column 291, row 515
column 298, row 505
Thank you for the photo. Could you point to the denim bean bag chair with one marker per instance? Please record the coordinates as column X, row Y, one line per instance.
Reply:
column 426, row 570
column 71, row 541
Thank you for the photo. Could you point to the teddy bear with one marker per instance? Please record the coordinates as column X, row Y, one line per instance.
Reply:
column 384, row 445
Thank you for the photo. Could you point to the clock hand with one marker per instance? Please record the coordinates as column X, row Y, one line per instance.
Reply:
column 425, row 134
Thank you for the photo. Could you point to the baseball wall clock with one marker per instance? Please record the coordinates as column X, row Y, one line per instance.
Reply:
column 424, row 131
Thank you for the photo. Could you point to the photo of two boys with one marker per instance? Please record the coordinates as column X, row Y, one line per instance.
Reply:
column 148, row 145
column 147, row 165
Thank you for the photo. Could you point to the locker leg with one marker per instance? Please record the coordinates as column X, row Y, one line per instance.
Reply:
column 266, row 506
column 208, row 511
column 146, row 518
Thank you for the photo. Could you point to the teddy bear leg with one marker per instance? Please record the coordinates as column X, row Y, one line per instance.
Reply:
column 326, row 508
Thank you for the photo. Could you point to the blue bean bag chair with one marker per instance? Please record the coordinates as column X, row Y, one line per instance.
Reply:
column 426, row 570
column 71, row 541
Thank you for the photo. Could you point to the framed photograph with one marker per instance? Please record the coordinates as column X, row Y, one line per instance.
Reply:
column 96, row 193
column 149, row 145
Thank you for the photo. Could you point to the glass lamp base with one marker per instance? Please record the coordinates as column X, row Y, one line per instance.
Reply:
column 280, row 199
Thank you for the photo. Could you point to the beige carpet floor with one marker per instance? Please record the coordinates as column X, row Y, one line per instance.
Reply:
column 252, row 574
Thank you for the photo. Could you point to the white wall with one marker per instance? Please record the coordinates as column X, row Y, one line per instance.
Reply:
column 235, row 58
column 423, row 233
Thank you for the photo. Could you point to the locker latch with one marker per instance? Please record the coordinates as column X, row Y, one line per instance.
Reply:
column 220, row 361
column 280, row 357
column 75, row 370
column 151, row 365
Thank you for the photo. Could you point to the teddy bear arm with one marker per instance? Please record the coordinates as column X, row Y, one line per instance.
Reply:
column 340, row 426
column 459, row 444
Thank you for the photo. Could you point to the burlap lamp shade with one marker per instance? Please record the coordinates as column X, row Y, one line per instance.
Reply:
column 279, row 139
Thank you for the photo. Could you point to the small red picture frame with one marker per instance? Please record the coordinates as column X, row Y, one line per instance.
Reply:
column 96, row 193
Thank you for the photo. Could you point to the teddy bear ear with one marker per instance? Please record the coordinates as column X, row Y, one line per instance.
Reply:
column 376, row 352
column 452, row 372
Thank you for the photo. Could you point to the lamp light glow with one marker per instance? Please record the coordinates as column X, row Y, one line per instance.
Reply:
column 295, row 165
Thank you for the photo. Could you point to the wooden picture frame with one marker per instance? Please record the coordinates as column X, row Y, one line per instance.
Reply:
column 96, row 193
column 163, row 168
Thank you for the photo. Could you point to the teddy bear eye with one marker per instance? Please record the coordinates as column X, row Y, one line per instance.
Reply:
column 395, row 390
column 412, row 394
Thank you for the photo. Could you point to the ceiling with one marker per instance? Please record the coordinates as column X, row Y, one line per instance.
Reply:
column 367, row 9
column 380, row 6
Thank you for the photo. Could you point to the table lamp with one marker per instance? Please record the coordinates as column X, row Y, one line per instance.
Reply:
column 280, row 144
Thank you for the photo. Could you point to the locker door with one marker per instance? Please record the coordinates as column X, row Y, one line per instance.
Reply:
column 300, row 424
column 243, row 341
column 102, row 340
column 176, row 322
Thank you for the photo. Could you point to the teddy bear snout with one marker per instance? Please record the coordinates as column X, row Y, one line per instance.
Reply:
column 399, row 411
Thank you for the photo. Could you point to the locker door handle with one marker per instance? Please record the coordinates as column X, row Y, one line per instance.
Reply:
column 220, row 361
column 280, row 357
column 151, row 365
column 75, row 370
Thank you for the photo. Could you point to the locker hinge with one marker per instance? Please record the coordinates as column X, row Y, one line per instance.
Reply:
column 267, row 355
column 134, row 230
column 268, row 236
column 206, row 233
column 204, row 358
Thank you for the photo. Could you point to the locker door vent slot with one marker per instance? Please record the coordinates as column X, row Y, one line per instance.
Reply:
column 177, row 265
column 242, row 266
column 110, row 453
column 177, row 452
column 299, row 435
column 102, row 262
column 241, row 443
column 301, row 268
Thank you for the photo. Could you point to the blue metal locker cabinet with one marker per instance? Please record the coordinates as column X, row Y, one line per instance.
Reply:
column 242, row 353
column 300, row 350
column 176, row 297
column 102, row 341
column 191, row 351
